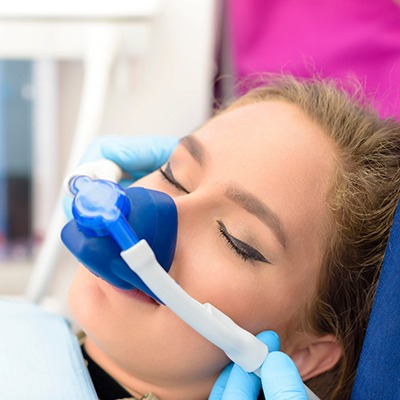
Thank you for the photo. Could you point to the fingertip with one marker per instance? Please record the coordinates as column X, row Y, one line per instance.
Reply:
column 67, row 205
column 281, row 379
column 242, row 385
column 280, row 360
column 227, row 370
column 166, row 145
column 279, row 367
column 220, row 384
column 271, row 339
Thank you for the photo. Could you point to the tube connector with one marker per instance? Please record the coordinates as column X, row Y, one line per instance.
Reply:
column 100, row 208
column 100, row 169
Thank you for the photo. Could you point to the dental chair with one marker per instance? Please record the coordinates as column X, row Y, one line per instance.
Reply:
column 41, row 359
column 378, row 372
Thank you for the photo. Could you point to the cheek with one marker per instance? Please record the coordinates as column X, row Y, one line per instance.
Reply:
column 87, row 301
column 256, row 298
column 95, row 307
column 83, row 297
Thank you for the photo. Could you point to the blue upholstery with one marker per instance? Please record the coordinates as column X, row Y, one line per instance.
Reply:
column 40, row 356
column 378, row 373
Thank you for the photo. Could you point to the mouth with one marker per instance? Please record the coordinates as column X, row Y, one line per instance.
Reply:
column 138, row 295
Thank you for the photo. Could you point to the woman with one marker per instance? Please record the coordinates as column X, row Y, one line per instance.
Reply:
column 284, row 201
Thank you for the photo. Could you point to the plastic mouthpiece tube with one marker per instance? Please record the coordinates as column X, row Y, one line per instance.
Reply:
column 239, row 345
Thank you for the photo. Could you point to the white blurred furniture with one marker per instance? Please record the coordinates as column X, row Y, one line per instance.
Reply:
column 151, row 61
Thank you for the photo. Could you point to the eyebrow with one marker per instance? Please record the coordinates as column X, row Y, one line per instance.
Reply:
column 256, row 207
column 194, row 147
column 240, row 196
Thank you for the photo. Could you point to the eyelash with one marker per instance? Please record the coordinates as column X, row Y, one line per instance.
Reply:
column 223, row 232
column 167, row 176
column 241, row 251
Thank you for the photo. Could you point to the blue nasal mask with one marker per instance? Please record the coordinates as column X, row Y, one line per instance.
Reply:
column 97, row 205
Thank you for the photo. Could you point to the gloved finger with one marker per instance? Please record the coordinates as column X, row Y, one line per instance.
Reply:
column 219, row 385
column 241, row 385
column 281, row 379
column 94, row 151
column 271, row 339
column 138, row 156
column 139, row 153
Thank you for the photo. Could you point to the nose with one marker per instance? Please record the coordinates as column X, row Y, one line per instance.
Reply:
column 196, row 213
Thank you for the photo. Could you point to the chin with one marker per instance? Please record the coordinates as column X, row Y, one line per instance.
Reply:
column 86, row 298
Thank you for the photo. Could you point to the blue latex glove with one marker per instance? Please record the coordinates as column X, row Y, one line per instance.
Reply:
column 280, row 379
column 137, row 156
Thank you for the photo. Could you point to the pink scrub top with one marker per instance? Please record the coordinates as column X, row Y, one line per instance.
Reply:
column 330, row 38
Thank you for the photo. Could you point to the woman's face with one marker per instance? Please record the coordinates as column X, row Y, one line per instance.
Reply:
column 250, row 187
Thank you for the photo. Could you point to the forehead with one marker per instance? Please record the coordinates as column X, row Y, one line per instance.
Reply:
column 265, row 120
column 273, row 150
column 267, row 133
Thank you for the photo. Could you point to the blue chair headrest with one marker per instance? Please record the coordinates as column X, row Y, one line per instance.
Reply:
column 378, row 373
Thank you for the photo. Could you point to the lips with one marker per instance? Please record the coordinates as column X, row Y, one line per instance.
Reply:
column 137, row 294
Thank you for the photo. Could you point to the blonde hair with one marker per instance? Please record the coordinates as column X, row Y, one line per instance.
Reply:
column 362, row 202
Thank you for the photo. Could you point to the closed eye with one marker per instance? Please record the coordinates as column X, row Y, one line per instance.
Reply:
column 245, row 251
column 169, row 177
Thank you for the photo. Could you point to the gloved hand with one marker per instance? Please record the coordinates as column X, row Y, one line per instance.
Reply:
column 280, row 379
column 137, row 156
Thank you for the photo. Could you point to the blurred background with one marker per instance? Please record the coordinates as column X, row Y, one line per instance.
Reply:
column 71, row 71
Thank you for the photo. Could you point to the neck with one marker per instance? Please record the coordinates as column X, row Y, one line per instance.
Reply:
column 138, row 386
